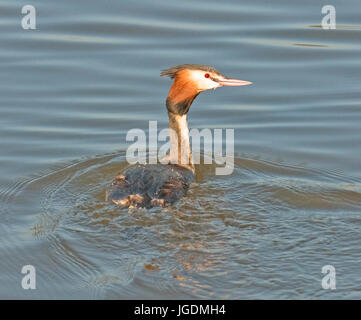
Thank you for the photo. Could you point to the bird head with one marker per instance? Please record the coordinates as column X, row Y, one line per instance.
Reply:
column 192, row 79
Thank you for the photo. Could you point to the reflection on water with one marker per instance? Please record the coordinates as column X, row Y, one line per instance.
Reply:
column 263, row 217
column 70, row 91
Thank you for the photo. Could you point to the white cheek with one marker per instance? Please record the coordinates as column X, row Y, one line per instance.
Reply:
column 208, row 84
column 203, row 82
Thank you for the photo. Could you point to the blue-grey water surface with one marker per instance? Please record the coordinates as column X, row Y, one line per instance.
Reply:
column 70, row 91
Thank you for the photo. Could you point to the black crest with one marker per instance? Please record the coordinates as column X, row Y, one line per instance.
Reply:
column 171, row 72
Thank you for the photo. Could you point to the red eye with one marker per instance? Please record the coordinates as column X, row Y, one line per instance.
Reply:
column 207, row 75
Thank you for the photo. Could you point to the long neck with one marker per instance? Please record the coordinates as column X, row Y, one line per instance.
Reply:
column 180, row 97
column 180, row 149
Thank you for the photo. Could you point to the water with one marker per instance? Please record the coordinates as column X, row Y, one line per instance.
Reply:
column 71, row 90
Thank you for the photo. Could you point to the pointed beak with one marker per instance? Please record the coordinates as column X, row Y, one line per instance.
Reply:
column 233, row 82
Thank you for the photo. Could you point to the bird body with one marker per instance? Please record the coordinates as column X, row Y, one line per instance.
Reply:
column 163, row 184
column 150, row 185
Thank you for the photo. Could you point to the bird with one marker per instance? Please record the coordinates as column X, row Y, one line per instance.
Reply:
column 162, row 184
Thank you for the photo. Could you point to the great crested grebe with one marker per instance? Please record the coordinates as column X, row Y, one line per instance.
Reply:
column 146, row 186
